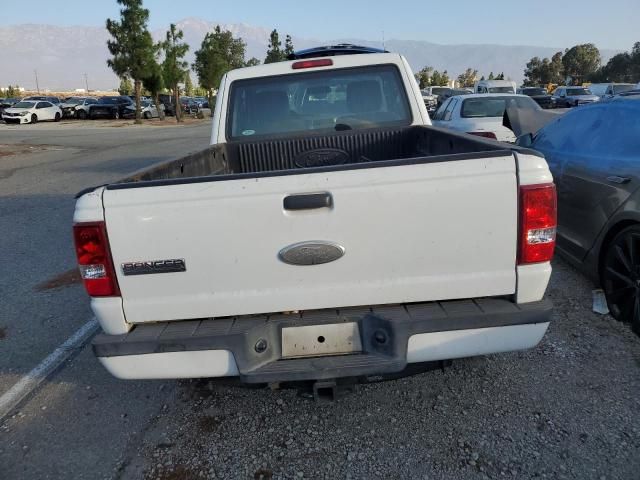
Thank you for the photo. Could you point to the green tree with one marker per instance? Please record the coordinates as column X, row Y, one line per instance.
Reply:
column 275, row 52
column 188, row 85
column 617, row 69
column 439, row 79
column 556, row 69
column 154, row 83
column 468, row 78
column 491, row 76
column 131, row 46
column 436, row 79
column 252, row 62
column 501, row 76
column 545, row 73
column 423, row 77
column 635, row 61
column 11, row 91
column 533, row 72
column 580, row 62
column 126, row 87
column 288, row 47
column 174, row 68
column 542, row 72
column 199, row 91
column 218, row 53
column 623, row 67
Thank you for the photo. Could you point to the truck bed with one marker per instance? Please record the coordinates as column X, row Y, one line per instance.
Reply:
column 309, row 153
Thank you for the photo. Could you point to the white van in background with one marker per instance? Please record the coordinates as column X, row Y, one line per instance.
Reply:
column 495, row 86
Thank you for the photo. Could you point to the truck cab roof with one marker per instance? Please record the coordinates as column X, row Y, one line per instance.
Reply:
column 328, row 62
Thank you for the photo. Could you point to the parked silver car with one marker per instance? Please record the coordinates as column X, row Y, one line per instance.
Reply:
column 573, row 96
column 430, row 96
column 77, row 107
column 147, row 109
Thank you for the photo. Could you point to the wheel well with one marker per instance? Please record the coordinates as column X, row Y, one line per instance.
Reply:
column 613, row 231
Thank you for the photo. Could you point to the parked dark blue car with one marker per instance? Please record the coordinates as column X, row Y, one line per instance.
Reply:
column 594, row 155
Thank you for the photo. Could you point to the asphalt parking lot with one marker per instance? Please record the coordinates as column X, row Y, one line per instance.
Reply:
column 566, row 409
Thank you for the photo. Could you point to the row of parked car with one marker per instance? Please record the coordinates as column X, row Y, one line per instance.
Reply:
column 43, row 108
column 561, row 97
column 482, row 113
column 189, row 105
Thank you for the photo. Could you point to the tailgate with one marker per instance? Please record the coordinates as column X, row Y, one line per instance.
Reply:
column 406, row 233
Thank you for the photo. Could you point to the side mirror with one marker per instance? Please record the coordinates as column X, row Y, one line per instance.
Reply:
column 525, row 140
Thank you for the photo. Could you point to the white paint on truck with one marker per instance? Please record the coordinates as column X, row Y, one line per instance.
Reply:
column 417, row 233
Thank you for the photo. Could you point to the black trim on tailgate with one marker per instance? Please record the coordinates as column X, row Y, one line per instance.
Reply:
column 304, row 171
column 395, row 323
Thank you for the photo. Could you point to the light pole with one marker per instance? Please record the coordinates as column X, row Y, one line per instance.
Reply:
column 37, row 84
column 86, row 82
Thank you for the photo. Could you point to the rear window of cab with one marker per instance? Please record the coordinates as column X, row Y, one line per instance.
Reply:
column 483, row 107
column 320, row 100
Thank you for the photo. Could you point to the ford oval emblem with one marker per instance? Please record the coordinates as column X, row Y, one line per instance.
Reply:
column 321, row 157
column 311, row 253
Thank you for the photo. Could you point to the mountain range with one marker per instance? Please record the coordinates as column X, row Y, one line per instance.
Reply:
column 63, row 55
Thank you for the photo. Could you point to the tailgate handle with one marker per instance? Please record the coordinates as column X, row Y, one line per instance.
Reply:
column 308, row 201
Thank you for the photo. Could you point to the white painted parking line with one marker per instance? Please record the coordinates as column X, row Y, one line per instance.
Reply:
column 27, row 384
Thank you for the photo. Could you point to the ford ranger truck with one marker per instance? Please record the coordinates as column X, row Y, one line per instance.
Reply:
column 328, row 232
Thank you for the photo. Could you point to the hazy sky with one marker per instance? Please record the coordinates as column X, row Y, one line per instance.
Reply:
column 557, row 23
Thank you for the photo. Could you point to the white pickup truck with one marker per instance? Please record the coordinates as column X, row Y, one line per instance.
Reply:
column 328, row 232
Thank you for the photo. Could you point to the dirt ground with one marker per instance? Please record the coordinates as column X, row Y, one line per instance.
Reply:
column 7, row 150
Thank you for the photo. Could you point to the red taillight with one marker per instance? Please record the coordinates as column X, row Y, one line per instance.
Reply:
column 538, row 211
column 94, row 259
column 484, row 134
column 322, row 62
